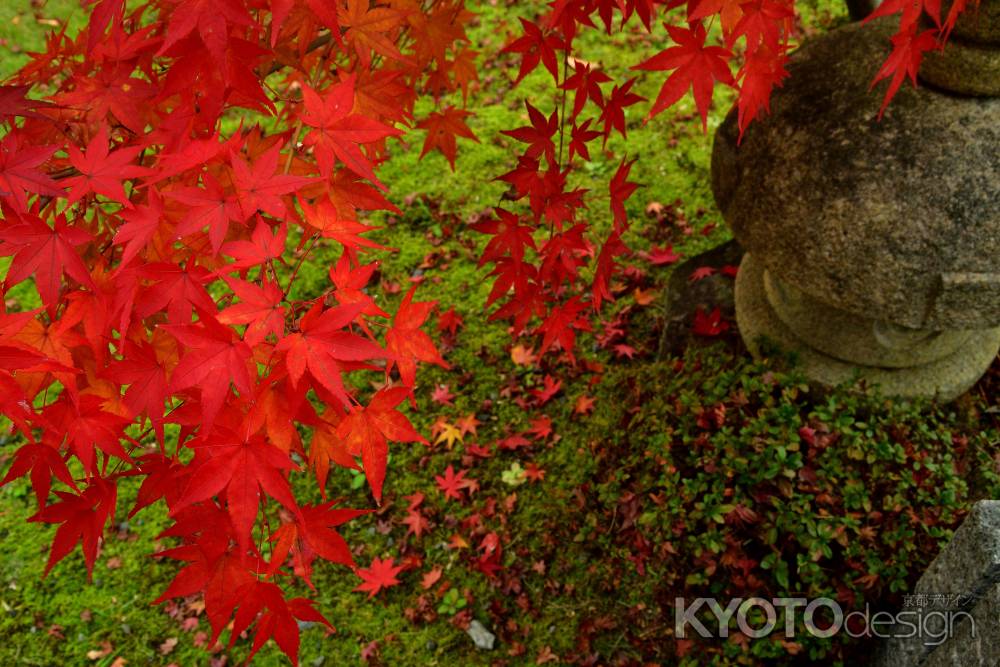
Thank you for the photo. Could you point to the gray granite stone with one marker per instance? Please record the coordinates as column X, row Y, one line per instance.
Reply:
column 856, row 339
column 481, row 637
column 873, row 217
column 964, row 67
column 980, row 24
column 967, row 574
column 970, row 562
column 762, row 330
column 972, row 641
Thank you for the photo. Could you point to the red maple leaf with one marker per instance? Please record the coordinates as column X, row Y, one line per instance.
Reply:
column 701, row 273
column 82, row 518
column 539, row 136
column 762, row 72
column 709, row 324
column 351, row 282
column 416, row 523
column 19, row 173
column 442, row 394
column 535, row 46
column 14, row 101
column 146, row 377
column 369, row 28
column 585, row 404
column 325, row 217
column 259, row 188
column 550, row 387
column 86, row 425
column 728, row 10
column 242, row 469
column 312, row 534
column 450, row 321
column 533, row 472
column 259, row 308
column 338, row 132
column 613, row 112
column 586, row 82
column 510, row 237
column 102, row 172
column 580, row 136
column 541, row 427
column 209, row 19
column 443, row 127
column 406, row 343
column 322, row 347
column 467, row 424
column 908, row 49
column 561, row 325
column 209, row 206
column 696, row 66
column 430, row 578
column 381, row 574
column 606, row 265
column 262, row 246
column 762, row 24
column 47, row 252
column 177, row 290
column 366, row 431
column 215, row 357
column 658, row 256
column 211, row 565
column 141, row 225
column 452, row 483
column 43, row 462
column 275, row 618
column 621, row 189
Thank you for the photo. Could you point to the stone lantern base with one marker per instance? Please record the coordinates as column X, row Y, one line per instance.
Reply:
column 833, row 346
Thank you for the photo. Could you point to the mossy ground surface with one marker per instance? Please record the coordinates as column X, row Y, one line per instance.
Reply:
column 705, row 475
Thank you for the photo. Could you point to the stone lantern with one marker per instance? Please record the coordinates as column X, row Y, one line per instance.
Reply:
column 873, row 246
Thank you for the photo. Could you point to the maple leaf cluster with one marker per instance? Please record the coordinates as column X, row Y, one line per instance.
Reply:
column 548, row 286
column 164, row 237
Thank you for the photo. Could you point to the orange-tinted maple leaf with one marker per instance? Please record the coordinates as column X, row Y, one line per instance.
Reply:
column 366, row 431
column 371, row 28
column 339, row 132
column 325, row 217
column 406, row 343
column 322, row 347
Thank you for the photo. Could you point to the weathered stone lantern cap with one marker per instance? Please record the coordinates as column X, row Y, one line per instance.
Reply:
column 896, row 220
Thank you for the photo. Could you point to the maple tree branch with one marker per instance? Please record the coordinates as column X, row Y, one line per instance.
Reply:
column 562, row 113
column 318, row 43
column 305, row 253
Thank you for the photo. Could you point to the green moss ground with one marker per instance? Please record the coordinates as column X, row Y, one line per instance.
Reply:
column 706, row 475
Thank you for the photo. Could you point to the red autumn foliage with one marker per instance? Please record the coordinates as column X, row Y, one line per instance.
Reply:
column 740, row 44
column 164, row 242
